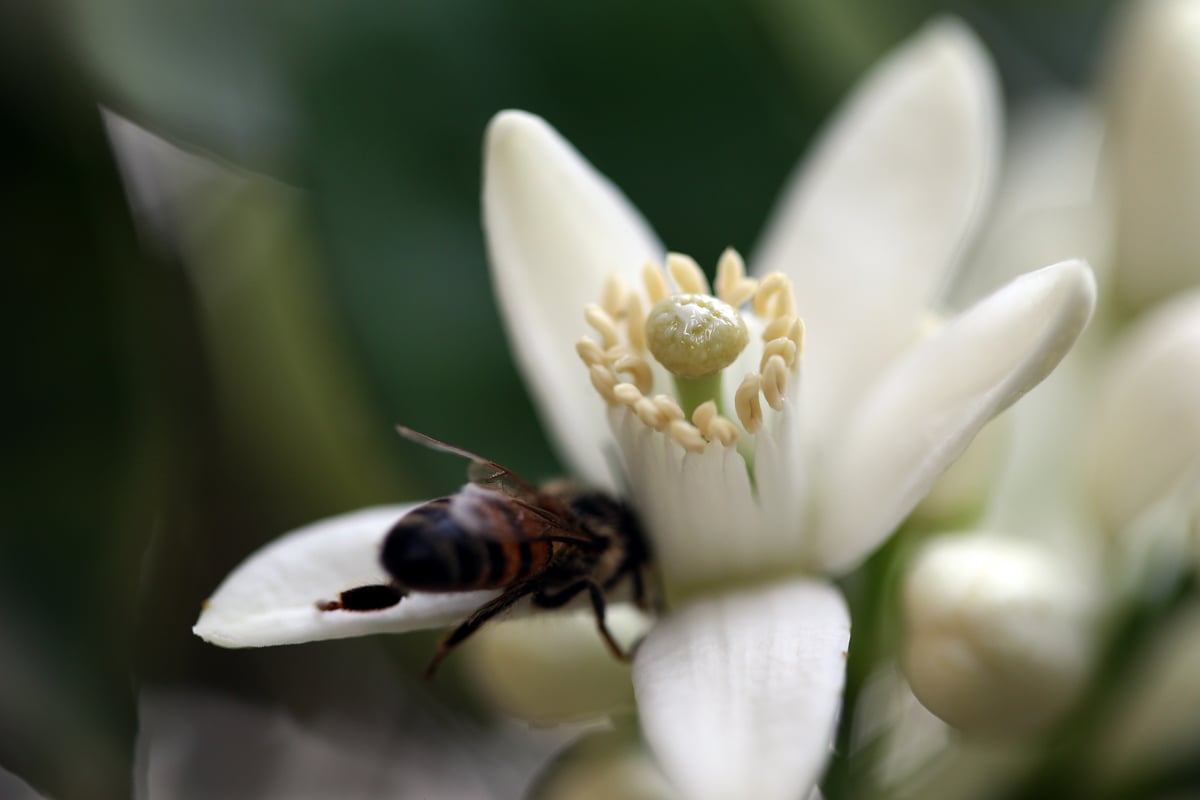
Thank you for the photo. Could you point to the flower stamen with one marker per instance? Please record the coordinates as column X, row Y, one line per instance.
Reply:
column 713, row 426
column 732, row 284
column 635, row 367
column 775, row 380
column 590, row 352
column 636, row 323
column 604, row 325
column 687, row 274
column 745, row 402
column 696, row 336
column 614, row 297
column 656, row 283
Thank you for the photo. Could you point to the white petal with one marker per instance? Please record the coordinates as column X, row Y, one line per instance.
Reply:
column 1146, row 435
column 739, row 694
column 925, row 410
column 1052, row 202
column 271, row 597
column 556, row 228
column 1155, row 126
column 870, row 227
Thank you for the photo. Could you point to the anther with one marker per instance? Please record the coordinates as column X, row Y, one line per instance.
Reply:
column 627, row 394
column 766, row 290
column 796, row 334
column 731, row 270
column 704, row 414
column 714, row 427
column 687, row 274
column 603, row 379
column 649, row 414
column 721, row 430
column 745, row 402
column 590, row 352
column 742, row 292
column 636, row 367
column 687, row 435
column 775, row 381
column 667, row 406
column 782, row 347
column 636, row 323
column 599, row 319
column 656, row 284
column 613, row 297
column 777, row 328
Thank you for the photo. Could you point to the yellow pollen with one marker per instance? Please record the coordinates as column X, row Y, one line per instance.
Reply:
column 656, row 284
column 687, row 274
column 604, row 325
column 695, row 335
column 745, row 401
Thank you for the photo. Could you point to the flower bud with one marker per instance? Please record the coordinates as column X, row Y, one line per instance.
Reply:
column 999, row 633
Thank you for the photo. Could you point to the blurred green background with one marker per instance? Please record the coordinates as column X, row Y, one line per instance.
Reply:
column 177, row 400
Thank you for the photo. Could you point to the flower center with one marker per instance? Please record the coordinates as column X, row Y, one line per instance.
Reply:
column 694, row 336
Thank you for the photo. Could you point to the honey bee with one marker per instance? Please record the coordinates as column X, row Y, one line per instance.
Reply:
column 500, row 532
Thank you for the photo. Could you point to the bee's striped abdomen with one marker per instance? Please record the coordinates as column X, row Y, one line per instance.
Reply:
column 469, row 541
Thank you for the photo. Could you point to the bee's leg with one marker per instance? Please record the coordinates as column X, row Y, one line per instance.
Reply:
column 497, row 605
column 596, row 594
column 374, row 597
column 638, row 581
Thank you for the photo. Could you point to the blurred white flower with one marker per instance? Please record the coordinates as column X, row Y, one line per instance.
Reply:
column 999, row 635
column 1002, row 621
column 739, row 687
column 1154, row 124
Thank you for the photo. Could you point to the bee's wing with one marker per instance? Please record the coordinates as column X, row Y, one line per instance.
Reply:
column 486, row 474
column 480, row 470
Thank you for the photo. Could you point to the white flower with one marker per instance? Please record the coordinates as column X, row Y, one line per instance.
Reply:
column 1154, row 117
column 773, row 481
